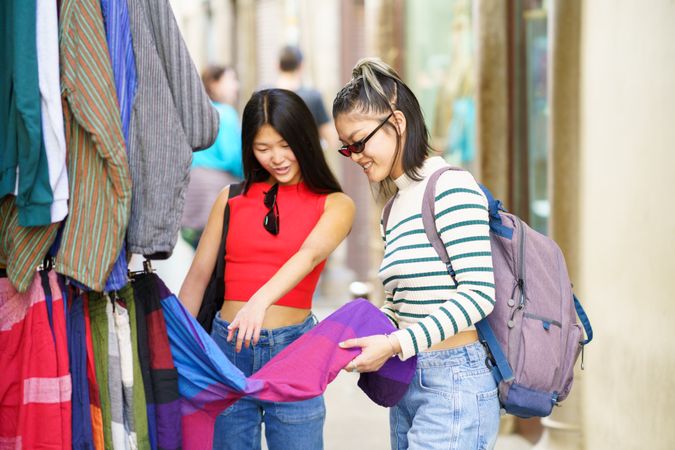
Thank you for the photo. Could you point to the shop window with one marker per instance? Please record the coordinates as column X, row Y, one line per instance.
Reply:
column 440, row 69
column 530, row 75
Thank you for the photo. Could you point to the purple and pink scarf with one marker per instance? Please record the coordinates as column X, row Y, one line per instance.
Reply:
column 209, row 383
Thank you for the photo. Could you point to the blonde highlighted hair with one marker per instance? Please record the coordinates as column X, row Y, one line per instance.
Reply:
column 376, row 88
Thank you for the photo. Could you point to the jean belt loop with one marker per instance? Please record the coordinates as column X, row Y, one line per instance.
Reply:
column 270, row 337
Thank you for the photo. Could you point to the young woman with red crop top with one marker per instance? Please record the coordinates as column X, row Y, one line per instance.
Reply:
column 290, row 216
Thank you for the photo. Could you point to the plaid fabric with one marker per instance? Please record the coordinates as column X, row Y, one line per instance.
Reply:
column 135, row 414
column 35, row 386
column 160, row 375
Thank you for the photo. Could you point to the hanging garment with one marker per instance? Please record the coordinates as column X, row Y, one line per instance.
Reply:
column 118, row 36
column 47, row 32
column 160, row 375
column 24, row 170
column 100, row 186
column 172, row 115
column 98, row 317
column 209, row 382
column 22, row 249
column 82, row 434
column 35, row 386
column 113, row 320
column 96, row 408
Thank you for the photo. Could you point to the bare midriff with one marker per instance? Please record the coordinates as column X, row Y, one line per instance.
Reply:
column 458, row 340
column 275, row 317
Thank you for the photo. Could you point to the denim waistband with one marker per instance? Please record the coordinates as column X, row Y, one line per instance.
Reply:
column 453, row 356
column 275, row 336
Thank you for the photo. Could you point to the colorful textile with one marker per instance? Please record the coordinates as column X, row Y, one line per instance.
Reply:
column 118, row 35
column 22, row 249
column 160, row 375
column 94, row 392
column 35, row 386
column 209, row 382
column 99, row 179
column 82, row 434
column 138, row 412
column 146, row 377
column 99, row 332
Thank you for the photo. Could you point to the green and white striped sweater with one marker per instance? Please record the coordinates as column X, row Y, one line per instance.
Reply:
column 421, row 298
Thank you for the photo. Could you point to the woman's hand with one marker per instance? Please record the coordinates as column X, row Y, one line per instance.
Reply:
column 249, row 322
column 375, row 351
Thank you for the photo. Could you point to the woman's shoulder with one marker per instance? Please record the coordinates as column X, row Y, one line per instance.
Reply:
column 457, row 182
column 339, row 200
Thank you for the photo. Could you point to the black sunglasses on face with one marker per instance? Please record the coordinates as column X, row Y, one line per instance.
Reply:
column 271, row 222
column 360, row 146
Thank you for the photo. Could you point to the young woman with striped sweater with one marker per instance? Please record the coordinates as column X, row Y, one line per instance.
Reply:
column 452, row 402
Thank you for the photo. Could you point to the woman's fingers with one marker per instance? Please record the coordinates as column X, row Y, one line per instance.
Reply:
column 256, row 335
column 232, row 329
column 350, row 343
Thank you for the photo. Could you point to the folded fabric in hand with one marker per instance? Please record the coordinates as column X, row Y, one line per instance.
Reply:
column 209, row 383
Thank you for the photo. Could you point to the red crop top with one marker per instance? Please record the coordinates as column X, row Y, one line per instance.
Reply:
column 254, row 255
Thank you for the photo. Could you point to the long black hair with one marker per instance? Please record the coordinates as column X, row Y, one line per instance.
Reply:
column 376, row 88
column 288, row 114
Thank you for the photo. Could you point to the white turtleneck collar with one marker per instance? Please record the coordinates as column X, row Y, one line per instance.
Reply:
column 430, row 165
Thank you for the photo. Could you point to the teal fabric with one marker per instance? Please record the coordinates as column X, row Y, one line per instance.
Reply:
column 225, row 153
column 22, row 146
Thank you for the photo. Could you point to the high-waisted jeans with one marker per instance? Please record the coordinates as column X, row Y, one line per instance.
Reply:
column 451, row 403
column 288, row 425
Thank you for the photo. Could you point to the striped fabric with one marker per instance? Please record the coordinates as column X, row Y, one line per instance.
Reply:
column 22, row 248
column 99, row 180
column 35, row 385
column 118, row 35
column 421, row 297
column 172, row 115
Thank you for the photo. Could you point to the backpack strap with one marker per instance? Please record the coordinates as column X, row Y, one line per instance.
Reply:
column 386, row 211
column 584, row 320
column 501, row 369
column 213, row 297
column 235, row 189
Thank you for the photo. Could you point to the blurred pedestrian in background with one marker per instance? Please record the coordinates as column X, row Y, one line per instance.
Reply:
column 291, row 78
column 219, row 165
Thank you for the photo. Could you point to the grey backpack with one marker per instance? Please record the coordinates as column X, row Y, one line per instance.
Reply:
column 532, row 335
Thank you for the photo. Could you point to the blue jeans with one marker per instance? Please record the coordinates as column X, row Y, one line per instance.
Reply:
column 288, row 425
column 450, row 404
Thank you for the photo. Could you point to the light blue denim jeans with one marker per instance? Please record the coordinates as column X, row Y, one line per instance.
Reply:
column 450, row 404
column 288, row 426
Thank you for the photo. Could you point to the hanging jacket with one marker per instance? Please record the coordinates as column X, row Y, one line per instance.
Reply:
column 99, row 181
column 171, row 117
